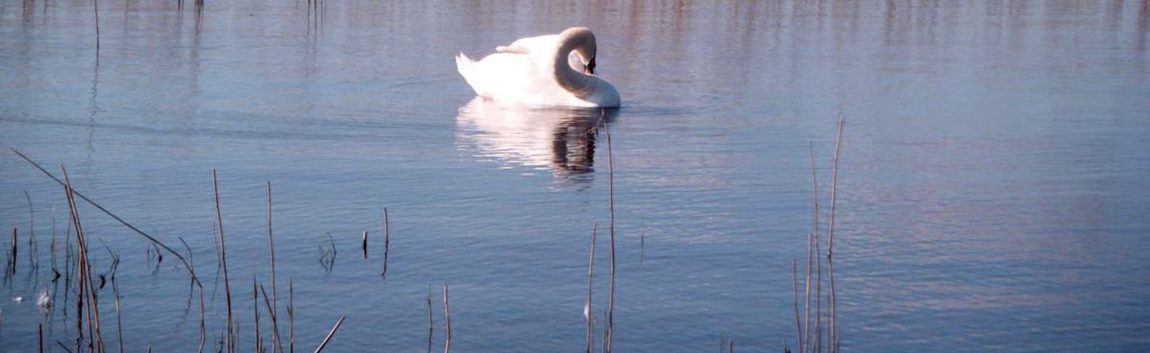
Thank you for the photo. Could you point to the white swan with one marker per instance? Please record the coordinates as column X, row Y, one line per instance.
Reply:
column 542, row 72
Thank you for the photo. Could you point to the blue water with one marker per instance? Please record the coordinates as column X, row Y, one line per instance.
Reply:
column 990, row 188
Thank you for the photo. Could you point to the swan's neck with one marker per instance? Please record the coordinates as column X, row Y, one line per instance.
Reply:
column 573, row 81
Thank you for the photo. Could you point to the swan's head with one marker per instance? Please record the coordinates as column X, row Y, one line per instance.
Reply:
column 582, row 43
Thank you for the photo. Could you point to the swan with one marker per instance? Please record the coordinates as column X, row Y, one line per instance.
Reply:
column 555, row 70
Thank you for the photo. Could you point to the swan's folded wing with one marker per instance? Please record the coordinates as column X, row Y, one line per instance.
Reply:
column 511, row 49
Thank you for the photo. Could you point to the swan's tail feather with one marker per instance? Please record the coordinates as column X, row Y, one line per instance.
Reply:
column 464, row 64
column 466, row 68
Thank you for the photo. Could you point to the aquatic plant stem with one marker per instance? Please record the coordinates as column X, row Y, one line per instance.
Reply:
column 832, row 324
column 272, row 253
column 330, row 334
column 150, row 238
column 386, row 241
column 223, row 252
column 590, row 274
column 611, row 208
column 446, row 322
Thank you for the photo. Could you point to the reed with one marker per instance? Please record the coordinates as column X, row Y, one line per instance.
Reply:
column 833, row 337
column 96, row 15
column 119, row 325
column 363, row 244
column 149, row 237
column 275, row 322
column 10, row 270
column 87, row 290
column 330, row 334
column 291, row 317
column 611, row 208
column 430, row 320
column 230, row 338
column 256, row 316
column 386, row 242
column 446, row 322
column 590, row 283
column 33, row 248
column 272, row 311
column 819, row 336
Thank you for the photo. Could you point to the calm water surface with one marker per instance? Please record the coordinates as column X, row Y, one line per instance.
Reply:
column 991, row 188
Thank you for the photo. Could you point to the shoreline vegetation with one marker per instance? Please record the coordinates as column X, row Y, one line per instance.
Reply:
column 816, row 327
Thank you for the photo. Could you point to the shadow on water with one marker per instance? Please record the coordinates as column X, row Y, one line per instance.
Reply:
column 559, row 140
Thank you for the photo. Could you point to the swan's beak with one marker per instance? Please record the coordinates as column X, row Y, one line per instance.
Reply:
column 590, row 67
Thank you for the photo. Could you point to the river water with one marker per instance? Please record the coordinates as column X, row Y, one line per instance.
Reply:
column 990, row 193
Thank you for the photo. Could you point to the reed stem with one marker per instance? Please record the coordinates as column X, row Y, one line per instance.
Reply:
column 590, row 282
column 330, row 334
column 446, row 322
column 386, row 242
column 272, row 253
column 223, row 252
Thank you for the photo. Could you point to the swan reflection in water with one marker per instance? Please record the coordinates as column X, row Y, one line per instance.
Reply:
column 559, row 140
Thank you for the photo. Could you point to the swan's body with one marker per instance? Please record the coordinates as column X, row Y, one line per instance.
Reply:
column 542, row 71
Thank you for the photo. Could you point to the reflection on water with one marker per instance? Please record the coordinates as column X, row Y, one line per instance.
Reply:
column 561, row 141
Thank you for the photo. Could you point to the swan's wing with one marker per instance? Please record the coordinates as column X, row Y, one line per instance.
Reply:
column 499, row 74
column 511, row 49
column 529, row 45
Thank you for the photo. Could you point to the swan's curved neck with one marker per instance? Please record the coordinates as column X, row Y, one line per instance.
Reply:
column 573, row 81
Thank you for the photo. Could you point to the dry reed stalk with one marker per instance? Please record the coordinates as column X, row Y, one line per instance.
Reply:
column 40, row 336
column 229, row 338
column 150, row 238
column 386, row 241
column 256, row 315
column 291, row 317
column 96, row 14
column 119, row 326
column 642, row 241
column 272, row 253
column 446, row 322
column 363, row 245
column 812, row 240
column 430, row 320
column 52, row 245
column 330, row 334
column 84, row 268
column 203, row 322
column 33, row 249
column 795, row 300
column 275, row 322
column 11, row 269
column 611, row 207
column 832, row 336
column 590, row 274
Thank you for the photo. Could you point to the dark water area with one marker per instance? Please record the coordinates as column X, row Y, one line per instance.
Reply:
column 991, row 185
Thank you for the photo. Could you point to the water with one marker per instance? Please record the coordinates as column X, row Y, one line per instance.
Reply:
column 990, row 194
